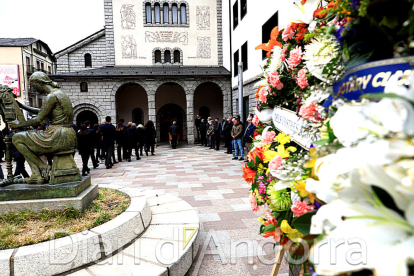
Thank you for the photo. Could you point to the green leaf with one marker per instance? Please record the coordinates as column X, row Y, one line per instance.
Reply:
column 251, row 165
column 268, row 228
column 303, row 223
column 258, row 161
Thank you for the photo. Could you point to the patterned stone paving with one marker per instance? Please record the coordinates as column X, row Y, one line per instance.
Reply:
column 212, row 183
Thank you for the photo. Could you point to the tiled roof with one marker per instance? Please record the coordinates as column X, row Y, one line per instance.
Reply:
column 149, row 71
column 17, row 42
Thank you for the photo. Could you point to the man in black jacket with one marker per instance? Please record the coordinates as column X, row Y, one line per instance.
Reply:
column 203, row 133
column 197, row 125
column 227, row 136
column 108, row 134
column 174, row 133
column 216, row 133
column 92, row 134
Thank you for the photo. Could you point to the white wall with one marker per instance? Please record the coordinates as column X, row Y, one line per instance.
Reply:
column 226, row 34
column 145, row 47
column 250, row 29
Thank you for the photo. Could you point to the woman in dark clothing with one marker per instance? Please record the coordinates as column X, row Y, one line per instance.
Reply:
column 140, row 136
column 120, row 138
column 133, row 142
column 84, row 146
column 149, row 136
column 96, row 141
column 100, row 151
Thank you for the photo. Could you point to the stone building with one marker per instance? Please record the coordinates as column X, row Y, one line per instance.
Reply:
column 154, row 60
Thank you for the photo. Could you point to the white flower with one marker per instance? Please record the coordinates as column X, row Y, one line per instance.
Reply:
column 303, row 13
column 276, row 62
column 318, row 53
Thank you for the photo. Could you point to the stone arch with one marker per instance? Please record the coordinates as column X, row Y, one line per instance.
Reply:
column 182, row 121
column 121, row 83
column 226, row 92
column 78, row 107
column 181, row 83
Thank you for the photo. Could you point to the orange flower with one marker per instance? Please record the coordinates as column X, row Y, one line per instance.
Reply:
column 275, row 233
column 319, row 14
column 258, row 151
column 248, row 174
column 332, row 4
column 301, row 32
column 257, row 92
column 303, row 2
column 272, row 42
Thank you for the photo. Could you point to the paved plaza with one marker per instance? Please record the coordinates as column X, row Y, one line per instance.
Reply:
column 212, row 183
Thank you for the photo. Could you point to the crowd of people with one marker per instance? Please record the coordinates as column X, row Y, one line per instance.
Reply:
column 99, row 142
column 236, row 135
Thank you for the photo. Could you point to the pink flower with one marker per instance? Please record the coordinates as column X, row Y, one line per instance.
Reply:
column 268, row 215
column 264, row 91
column 283, row 53
column 308, row 111
column 299, row 208
column 253, row 203
column 255, row 120
column 295, row 57
column 288, row 32
column 274, row 80
column 301, row 79
column 276, row 163
column 268, row 137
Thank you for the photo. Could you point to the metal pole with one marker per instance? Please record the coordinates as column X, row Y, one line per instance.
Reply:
column 9, row 165
column 240, row 71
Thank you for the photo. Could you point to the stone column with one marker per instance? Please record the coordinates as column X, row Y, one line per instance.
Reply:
column 161, row 15
column 190, row 117
column 170, row 12
column 153, row 14
column 178, row 16
column 151, row 107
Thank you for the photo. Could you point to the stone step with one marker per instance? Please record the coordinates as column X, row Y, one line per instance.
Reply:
column 168, row 246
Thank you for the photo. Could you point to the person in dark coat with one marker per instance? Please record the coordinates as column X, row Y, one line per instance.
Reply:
column 248, row 134
column 173, row 131
column 203, row 132
column 133, row 141
column 125, row 148
column 19, row 158
column 97, row 143
column 227, row 135
column 92, row 135
column 197, row 125
column 121, row 137
column 149, row 136
column 108, row 135
column 84, row 148
column 216, row 133
column 141, row 140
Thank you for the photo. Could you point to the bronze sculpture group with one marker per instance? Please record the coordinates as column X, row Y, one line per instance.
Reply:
column 57, row 141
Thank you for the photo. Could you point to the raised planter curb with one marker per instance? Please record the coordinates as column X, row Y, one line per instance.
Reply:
column 173, row 215
column 71, row 252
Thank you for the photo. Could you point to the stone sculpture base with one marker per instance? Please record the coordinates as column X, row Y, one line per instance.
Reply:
column 44, row 191
column 53, row 197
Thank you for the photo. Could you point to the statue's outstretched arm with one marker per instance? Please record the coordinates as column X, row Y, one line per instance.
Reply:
column 47, row 107
column 28, row 108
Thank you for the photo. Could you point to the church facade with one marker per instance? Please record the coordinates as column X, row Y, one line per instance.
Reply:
column 154, row 60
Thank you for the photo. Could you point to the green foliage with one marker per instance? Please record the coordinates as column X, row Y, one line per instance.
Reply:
column 303, row 223
column 104, row 218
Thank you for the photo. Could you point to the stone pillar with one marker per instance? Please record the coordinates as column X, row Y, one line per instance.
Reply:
column 151, row 107
column 153, row 14
column 190, row 117
column 161, row 15
column 178, row 16
column 170, row 12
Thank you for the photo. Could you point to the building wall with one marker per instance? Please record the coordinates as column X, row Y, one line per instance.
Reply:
column 198, row 42
column 249, row 29
column 75, row 60
column 101, row 97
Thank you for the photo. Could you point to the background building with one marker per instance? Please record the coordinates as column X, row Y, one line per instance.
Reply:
column 29, row 55
column 154, row 60
column 251, row 24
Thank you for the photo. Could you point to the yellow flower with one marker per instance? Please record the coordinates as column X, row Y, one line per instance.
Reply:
column 284, row 153
column 269, row 155
column 292, row 234
column 261, row 220
column 260, row 168
column 324, row 131
column 301, row 188
column 282, row 138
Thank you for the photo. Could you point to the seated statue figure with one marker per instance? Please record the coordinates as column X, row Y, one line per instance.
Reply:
column 58, row 137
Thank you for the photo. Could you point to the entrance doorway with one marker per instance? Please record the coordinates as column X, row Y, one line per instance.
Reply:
column 86, row 115
column 166, row 116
